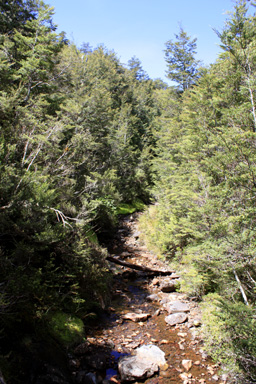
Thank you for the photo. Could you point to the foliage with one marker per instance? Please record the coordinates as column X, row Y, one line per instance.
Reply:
column 182, row 66
column 84, row 139
column 204, row 217
column 229, row 335
column 134, row 206
column 75, row 144
column 66, row 328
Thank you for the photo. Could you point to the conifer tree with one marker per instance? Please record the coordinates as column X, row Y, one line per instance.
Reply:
column 183, row 68
column 205, row 171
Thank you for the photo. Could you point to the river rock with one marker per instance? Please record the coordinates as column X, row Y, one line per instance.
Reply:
column 132, row 345
column 131, row 368
column 136, row 317
column 146, row 362
column 177, row 307
column 197, row 323
column 176, row 318
column 185, row 377
column 169, row 285
column 151, row 352
column 152, row 297
column 157, row 312
column 187, row 364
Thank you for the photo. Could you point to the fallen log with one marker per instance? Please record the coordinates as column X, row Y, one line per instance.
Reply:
column 142, row 268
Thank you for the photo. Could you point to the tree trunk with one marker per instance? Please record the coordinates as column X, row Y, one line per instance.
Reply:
column 142, row 268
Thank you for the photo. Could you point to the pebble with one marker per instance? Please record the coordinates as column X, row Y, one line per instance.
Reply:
column 196, row 323
column 210, row 369
column 185, row 376
column 157, row 312
column 91, row 339
column 187, row 364
column 166, row 374
column 181, row 346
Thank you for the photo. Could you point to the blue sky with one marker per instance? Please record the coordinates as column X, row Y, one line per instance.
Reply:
column 141, row 27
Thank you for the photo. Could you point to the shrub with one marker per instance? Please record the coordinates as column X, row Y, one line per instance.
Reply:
column 229, row 337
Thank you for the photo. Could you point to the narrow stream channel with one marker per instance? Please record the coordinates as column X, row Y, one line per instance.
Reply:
column 131, row 291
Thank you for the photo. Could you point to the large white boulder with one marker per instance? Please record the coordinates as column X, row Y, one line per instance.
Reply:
column 145, row 363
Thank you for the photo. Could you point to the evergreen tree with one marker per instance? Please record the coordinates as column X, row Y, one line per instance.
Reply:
column 238, row 41
column 135, row 66
column 15, row 13
column 205, row 174
column 182, row 66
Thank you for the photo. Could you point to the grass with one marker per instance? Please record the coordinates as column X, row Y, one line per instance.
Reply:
column 128, row 208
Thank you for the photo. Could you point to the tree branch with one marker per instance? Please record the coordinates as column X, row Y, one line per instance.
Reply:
column 240, row 286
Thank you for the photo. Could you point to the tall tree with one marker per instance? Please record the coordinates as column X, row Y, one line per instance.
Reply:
column 15, row 13
column 238, row 42
column 206, row 173
column 183, row 68
column 135, row 66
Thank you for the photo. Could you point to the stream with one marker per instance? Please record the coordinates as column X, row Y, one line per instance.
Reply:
column 139, row 293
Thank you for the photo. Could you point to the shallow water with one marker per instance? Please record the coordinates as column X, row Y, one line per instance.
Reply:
column 129, row 295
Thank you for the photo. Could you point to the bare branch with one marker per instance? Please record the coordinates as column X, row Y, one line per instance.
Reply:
column 62, row 217
column 240, row 286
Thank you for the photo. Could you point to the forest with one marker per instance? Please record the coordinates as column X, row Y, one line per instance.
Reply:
column 84, row 139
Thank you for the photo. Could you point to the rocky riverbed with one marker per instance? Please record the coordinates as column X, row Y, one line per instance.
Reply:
column 150, row 332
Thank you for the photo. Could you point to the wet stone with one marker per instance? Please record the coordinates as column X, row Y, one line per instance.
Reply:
column 136, row 317
column 133, row 345
column 157, row 312
column 131, row 368
column 177, row 307
column 187, row 364
column 155, row 281
column 146, row 362
column 152, row 297
column 176, row 318
column 151, row 353
column 169, row 286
